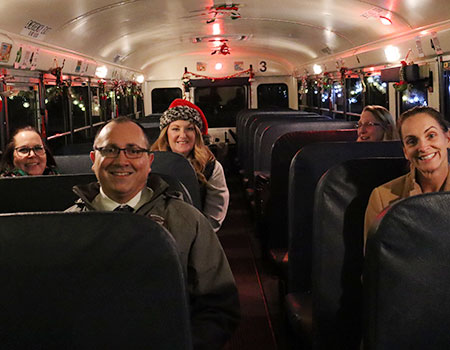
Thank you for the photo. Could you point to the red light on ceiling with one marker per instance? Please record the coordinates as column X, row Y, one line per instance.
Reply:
column 385, row 20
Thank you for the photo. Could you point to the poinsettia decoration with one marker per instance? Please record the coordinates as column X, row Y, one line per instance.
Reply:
column 402, row 85
column 102, row 90
column 327, row 81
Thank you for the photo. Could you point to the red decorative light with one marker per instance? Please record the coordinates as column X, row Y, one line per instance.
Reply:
column 223, row 50
column 385, row 20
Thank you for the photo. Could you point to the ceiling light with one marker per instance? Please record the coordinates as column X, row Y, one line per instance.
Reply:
column 140, row 78
column 392, row 53
column 101, row 72
column 218, row 66
column 317, row 69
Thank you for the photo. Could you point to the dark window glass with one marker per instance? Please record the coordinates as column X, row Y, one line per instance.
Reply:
column 354, row 95
column 125, row 105
column 23, row 108
column 79, row 99
column 162, row 98
column 376, row 91
column 312, row 94
column 326, row 99
column 446, row 93
column 221, row 104
column 140, row 106
column 80, row 115
column 96, row 109
column 273, row 95
column 110, row 106
column 315, row 96
column 303, row 93
column 415, row 96
column 338, row 95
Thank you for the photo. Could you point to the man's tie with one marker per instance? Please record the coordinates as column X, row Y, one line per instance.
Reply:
column 124, row 208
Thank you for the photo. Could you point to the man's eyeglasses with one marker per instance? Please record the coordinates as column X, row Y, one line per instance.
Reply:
column 113, row 152
column 368, row 124
column 25, row 151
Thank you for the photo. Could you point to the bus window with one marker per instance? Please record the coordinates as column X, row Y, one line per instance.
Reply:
column 23, row 108
column 221, row 104
column 354, row 95
column 416, row 96
column 302, row 94
column 79, row 100
column 162, row 97
column 326, row 99
column 125, row 105
column 96, row 107
column 446, row 93
column 339, row 99
column 57, row 121
column 376, row 91
column 273, row 95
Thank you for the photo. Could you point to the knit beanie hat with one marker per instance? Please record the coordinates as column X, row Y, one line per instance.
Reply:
column 181, row 109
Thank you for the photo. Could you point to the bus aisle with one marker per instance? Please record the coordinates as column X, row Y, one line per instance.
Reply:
column 260, row 325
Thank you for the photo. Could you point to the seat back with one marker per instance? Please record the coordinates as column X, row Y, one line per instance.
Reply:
column 253, row 118
column 177, row 166
column 339, row 207
column 40, row 193
column 54, row 192
column 259, row 126
column 72, row 149
column 74, row 164
column 151, row 129
column 307, row 167
column 90, row 280
column 406, row 276
column 265, row 141
column 284, row 149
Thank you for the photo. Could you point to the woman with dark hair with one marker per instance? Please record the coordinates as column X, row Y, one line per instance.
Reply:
column 26, row 154
column 425, row 138
column 181, row 128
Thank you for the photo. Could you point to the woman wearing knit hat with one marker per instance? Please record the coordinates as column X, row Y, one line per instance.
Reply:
column 182, row 126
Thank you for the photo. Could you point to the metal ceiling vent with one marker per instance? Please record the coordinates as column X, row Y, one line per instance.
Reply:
column 326, row 50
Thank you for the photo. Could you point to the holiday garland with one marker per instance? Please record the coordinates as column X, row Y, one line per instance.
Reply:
column 186, row 78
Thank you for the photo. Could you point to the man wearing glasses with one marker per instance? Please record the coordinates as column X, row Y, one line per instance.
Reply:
column 122, row 164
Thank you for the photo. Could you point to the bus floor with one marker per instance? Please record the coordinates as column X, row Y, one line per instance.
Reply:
column 262, row 323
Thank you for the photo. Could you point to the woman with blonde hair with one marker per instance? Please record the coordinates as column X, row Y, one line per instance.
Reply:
column 376, row 124
column 182, row 126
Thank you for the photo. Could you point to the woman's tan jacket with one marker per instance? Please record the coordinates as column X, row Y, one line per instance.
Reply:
column 385, row 195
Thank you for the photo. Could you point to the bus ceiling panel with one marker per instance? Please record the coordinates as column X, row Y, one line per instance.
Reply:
column 134, row 32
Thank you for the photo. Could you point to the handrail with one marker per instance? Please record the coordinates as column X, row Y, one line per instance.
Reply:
column 62, row 134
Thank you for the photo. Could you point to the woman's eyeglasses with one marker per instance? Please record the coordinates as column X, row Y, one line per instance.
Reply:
column 366, row 125
column 25, row 151
column 113, row 152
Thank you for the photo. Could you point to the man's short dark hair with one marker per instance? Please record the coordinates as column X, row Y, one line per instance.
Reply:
column 122, row 120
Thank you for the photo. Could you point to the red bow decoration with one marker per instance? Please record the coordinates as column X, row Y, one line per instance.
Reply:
column 223, row 50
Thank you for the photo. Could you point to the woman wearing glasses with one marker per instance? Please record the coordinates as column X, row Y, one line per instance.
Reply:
column 376, row 124
column 26, row 154
column 182, row 126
